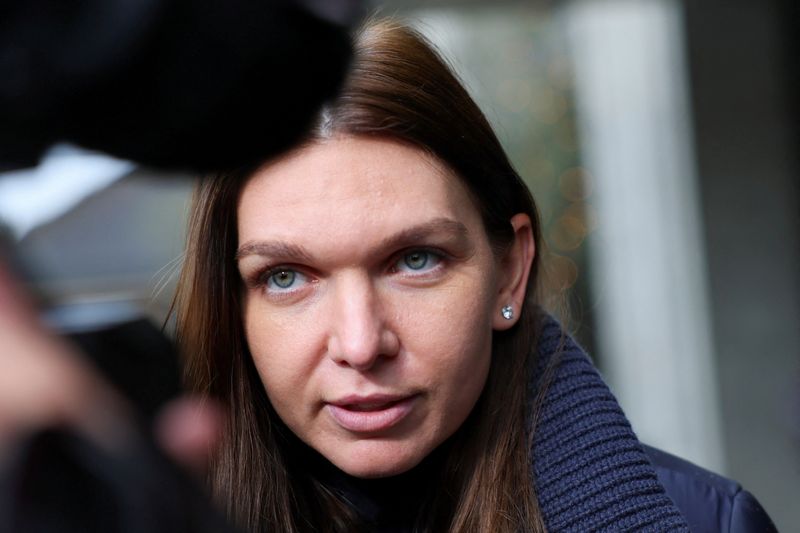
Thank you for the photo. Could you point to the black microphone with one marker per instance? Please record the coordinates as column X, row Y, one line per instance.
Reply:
column 198, row 85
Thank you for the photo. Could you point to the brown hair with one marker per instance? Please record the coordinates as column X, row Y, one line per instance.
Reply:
column 398, row 87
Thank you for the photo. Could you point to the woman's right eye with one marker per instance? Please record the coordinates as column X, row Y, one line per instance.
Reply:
column 284, row 280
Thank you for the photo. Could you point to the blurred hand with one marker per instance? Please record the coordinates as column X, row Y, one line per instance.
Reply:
column 44, row 383
column 188, row 430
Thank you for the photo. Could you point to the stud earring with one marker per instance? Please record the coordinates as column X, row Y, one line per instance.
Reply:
column 507, row 312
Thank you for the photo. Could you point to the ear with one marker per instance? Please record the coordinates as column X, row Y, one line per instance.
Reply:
column 513, row 271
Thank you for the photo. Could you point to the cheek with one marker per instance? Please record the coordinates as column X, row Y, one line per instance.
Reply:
column 450, row 334
column 279, row 351
column 456, row 315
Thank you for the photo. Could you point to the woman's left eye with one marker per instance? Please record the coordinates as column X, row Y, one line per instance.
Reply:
column 418, row 261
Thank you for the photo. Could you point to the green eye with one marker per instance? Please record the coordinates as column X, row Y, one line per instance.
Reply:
column 282, row 279
column 416, row 260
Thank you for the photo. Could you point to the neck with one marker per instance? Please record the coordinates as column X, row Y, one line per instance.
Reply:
column 391, row 503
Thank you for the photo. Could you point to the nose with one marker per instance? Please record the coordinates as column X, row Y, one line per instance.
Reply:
column 360, row 335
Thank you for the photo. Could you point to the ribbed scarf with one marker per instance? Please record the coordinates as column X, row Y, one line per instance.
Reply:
column 590, row 470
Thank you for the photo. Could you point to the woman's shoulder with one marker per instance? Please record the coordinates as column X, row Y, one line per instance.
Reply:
column 709, row 502
column 582, row 441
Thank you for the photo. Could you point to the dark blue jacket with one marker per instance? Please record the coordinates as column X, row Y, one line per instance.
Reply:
column 709, row 502
column 593, row 474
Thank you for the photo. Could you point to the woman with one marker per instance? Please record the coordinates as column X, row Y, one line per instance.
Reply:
column 365, row 308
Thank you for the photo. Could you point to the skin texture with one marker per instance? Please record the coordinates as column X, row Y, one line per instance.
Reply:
column 370, row 297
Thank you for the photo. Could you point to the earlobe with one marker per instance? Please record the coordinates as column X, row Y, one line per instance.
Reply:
column 515, row 268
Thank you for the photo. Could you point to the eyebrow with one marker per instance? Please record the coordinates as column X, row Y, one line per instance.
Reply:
column 404, row 237
column 272, row 249
column 419, row 232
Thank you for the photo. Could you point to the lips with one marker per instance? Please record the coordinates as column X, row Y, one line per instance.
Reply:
column 370, row 414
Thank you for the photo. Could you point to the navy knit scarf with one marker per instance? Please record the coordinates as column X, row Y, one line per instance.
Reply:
column 591, row 472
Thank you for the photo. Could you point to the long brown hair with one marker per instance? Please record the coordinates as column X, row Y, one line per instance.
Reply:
column 398, row 87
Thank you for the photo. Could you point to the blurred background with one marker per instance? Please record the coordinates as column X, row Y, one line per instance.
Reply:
column 661, row 140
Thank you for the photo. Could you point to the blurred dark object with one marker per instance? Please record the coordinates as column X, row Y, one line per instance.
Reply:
column 126, row 347
column 200, row 85
column 57, row 482
column 136, row 358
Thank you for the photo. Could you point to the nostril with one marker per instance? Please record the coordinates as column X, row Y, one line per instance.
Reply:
column 363, row 353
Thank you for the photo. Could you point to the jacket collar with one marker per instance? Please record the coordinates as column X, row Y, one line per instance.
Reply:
column 590, row 470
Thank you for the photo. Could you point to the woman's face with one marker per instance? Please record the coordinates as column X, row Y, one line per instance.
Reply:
column 370, row 295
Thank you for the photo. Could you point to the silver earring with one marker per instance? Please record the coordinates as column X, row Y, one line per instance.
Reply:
column 507, row 312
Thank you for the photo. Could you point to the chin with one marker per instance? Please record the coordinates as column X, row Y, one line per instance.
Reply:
column 372, row 462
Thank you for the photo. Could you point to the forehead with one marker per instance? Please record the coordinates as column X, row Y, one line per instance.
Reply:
column 351, row 186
